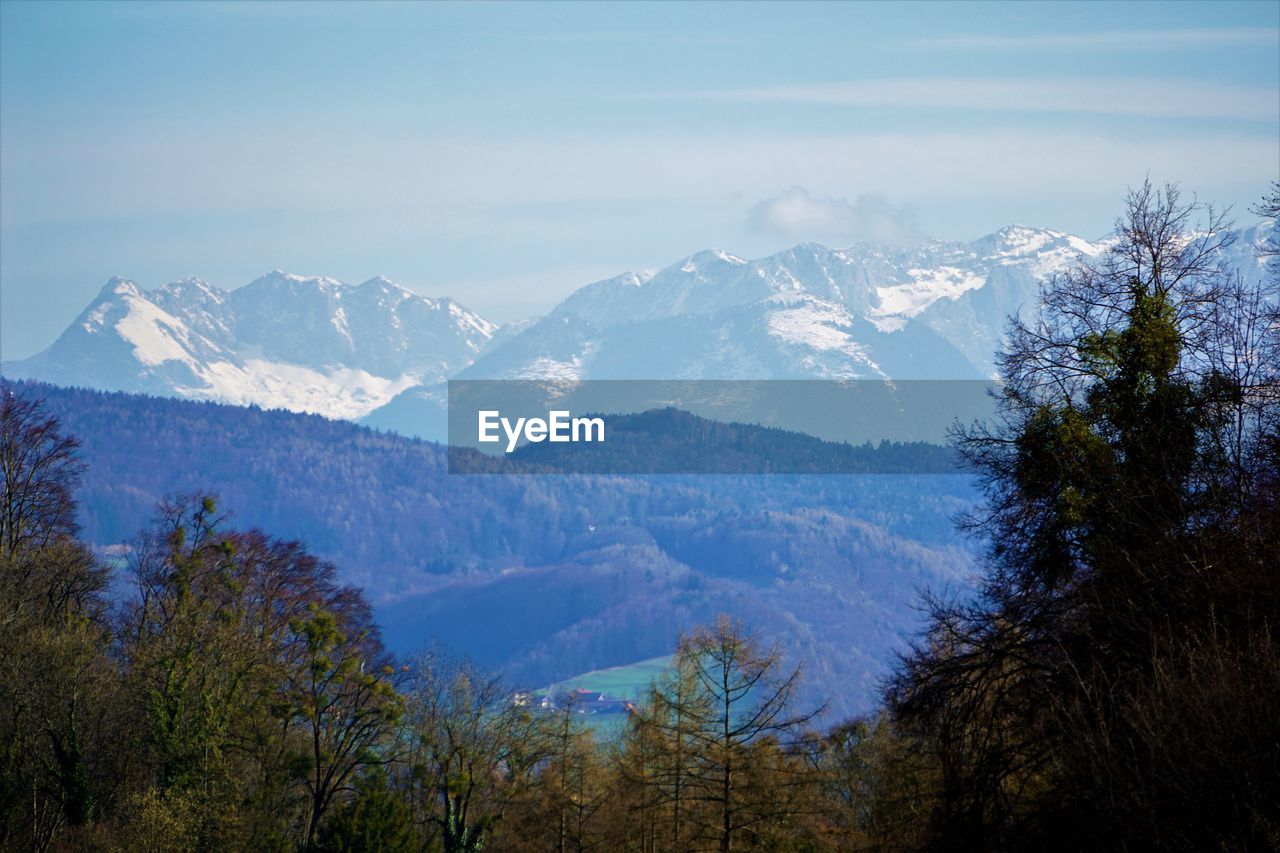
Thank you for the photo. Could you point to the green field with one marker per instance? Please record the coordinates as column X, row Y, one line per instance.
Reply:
column 618, row 682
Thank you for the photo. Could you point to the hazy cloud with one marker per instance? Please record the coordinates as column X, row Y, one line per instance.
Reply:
column 380, row 181
column 1144, row 97
column 798, row 215
column 1126, row 40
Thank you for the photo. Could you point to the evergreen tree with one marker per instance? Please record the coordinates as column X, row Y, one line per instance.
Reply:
column 1132, row 555
column 374, row 818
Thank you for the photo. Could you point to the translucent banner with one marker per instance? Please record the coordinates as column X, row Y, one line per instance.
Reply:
column 531, row 427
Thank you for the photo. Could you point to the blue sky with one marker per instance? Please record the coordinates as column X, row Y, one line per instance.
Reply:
column 505, row 154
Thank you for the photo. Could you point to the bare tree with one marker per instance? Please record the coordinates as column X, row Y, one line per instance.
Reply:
column 40, row 473
column 726, row 715
column 54, row 670
column 471, row 750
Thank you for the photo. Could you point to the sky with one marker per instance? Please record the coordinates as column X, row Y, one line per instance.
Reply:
column 507, row 154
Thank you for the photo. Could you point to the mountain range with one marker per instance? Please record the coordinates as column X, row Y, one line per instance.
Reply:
column 379, row 353
column 306, row 344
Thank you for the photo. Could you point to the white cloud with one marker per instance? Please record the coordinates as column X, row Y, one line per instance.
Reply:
column 1140, row 97
column 450, row 186
column 798, row 215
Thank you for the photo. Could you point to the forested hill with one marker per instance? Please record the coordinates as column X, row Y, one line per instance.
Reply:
column 673, row 441
column 543, row 576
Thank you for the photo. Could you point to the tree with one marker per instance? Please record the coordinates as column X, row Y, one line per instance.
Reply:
column 375, row 817
column 1130, row 530
column 344, row 694
column 662, row 747
column 471, row 750
column 567, row 806
column 40, row 472
column 259, row 674
column 876, row 787
column 58, row 714
column 195, row 659
column 1269, row 207
column 46, row 577
column 724, row 721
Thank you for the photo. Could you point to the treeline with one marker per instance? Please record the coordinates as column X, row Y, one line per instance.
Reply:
column 383, row 503
column 607, row 569
column 240, row 698
column 672, row 441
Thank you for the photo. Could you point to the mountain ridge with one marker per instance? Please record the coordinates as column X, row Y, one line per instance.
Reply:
column 303, row 343
column 378, row 353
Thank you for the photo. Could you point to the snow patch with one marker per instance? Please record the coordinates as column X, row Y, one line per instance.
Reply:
column 339, row 321
column 926, row 287
column 888, row 325
column 1084, row 247
column 335, row 392
column 474, row 322
column 552, row 369
column 813, row 324
column 152, row 332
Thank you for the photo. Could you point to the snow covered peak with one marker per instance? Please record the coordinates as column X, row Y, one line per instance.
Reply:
column 118, row 285
column 1022, row 241
column 284, row 341
column 1025, row 237
column 189, row 290
column 709, row 258
column 312, row 343
column 280, row 278
column 932, row 309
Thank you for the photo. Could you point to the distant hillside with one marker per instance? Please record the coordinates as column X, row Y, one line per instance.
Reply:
column 544, row 576
column 671, row 441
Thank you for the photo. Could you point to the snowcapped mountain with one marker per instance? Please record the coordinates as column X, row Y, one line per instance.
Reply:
column 308, row 344
column 380, row 353
column 934, row 311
